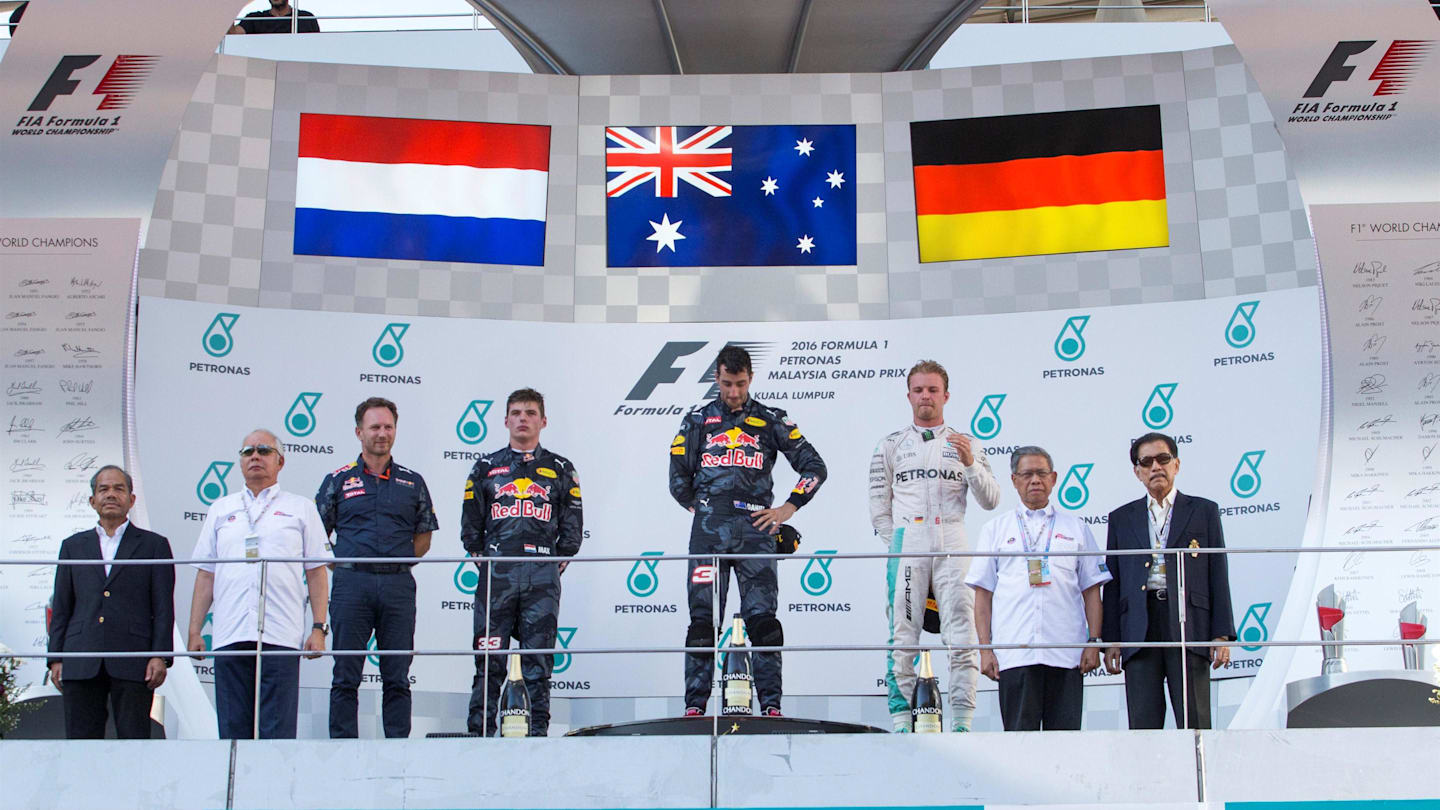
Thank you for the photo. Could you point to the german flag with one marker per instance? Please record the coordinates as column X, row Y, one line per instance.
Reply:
column 1027, row 185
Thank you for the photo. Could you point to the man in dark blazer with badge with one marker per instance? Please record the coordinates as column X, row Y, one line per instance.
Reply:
column 1142, row 602
column 111, row 608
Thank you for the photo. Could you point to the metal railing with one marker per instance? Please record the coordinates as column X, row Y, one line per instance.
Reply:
column 1183, row 643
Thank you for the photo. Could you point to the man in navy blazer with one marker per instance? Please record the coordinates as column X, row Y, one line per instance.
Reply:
column 111, row 608
column 1142, row 602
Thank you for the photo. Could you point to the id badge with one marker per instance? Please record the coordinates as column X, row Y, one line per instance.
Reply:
column 252, row 546
column 1039, row 571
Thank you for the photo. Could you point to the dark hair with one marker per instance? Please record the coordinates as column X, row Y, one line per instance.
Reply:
column 733, row 359
column 928, row 367
column 1146, row 439
column 526, row 395
column 129, row 482
column 375, row 402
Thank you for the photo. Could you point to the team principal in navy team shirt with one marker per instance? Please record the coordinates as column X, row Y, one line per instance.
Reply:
column 376, row 508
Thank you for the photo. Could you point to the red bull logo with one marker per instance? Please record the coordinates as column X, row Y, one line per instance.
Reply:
column 522, row 488
column 527, row 495
column 734, row 441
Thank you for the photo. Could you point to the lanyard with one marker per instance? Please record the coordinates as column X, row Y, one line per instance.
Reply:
column 1159, row 535
column 263, row 506
column 1031, row 545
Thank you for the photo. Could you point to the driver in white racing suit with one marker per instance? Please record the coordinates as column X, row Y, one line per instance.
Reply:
column 919, row 478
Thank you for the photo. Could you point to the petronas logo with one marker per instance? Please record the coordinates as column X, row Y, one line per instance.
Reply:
column 300, row 419
column 1074, row 493
column 985, row 424
column 1158, row 413
column 564, row 635
column 387, row 350
column 1070, row 343
column 643, row 579
column 1245, row 481
column 1252, row 627
column 467, row 578
column 1240, row 331
column 372, row 644
column 471, row 427
column 212, row 486
column 816, row 579
column 217, row 341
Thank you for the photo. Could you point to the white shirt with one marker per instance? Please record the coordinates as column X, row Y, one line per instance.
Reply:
column 1160, row 512
column 109, row 545
column 288, row 526
column 1048, row 614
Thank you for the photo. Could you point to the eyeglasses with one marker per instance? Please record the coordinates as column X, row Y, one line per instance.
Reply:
column 1145, row 462
column 263, row 449
column 1025, row 474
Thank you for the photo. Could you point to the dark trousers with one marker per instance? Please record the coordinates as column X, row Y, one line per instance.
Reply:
column 730, row 532
column 1041, row 697
column 523, row 604
column 85, row 707
column 235, row 693
column 1150, row 671
column 361, row 604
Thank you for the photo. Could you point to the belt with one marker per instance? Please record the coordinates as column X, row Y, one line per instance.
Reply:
column 376, row 568
column 1159, row 596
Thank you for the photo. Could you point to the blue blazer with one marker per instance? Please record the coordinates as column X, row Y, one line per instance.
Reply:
column 1195, row 522
column 129, row 610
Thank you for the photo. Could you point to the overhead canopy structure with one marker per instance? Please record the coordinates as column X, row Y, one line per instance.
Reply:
column 626, row 37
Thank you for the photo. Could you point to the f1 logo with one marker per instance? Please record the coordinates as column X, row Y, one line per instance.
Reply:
column 1394, row 70
column 126, row 74
column 703, row 574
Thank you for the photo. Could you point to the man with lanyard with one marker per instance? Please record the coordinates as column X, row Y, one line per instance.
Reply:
column 720, row 463
column 520, row 501
column 260, row 522
column 376, row 508
column 1038, row 599
column 1142, row 603
column 919, row 477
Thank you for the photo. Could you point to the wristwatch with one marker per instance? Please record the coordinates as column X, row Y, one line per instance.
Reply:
column 322, row 627
column 1095, row 640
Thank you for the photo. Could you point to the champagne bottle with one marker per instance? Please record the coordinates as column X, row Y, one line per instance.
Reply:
column 736, row 676
column 514, row 703
column 925, row 700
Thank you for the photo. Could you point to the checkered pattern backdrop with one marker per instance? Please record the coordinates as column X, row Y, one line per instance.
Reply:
column 222, row 227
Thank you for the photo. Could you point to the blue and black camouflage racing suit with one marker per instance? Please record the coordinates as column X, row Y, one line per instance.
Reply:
column 720, row 464
column 518, row 503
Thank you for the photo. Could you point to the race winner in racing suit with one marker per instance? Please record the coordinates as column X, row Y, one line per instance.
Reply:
column 520, row 501
column 720, row 464
column 919, row 477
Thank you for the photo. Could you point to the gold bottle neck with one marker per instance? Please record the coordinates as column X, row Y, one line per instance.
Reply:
column 514, row 673
column 924, row 670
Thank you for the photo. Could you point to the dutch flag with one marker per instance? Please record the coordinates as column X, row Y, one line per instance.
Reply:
column 405, row 188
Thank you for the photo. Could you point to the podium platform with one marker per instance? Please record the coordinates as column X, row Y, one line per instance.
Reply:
column 722, row 726
column 1373, row 698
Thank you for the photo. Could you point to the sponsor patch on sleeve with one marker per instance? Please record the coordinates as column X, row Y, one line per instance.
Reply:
column 795, row 434
column 574, row 492
column 679, row 440
column 677, row 451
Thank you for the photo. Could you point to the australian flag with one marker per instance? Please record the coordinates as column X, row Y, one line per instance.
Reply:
column 730, row 196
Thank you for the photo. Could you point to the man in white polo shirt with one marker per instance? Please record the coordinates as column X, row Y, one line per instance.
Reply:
column 1038, row 598
column 260, row 521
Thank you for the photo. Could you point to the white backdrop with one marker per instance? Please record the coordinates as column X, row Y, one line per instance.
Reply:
column 63, row 328
column 1222, row 374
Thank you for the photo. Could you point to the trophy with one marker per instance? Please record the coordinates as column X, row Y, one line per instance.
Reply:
column 1412, row 627
column 1331, row 611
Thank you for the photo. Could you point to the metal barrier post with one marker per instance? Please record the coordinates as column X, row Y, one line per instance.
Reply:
column 485, row 670
column 1184, row 719
column 259, row 644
